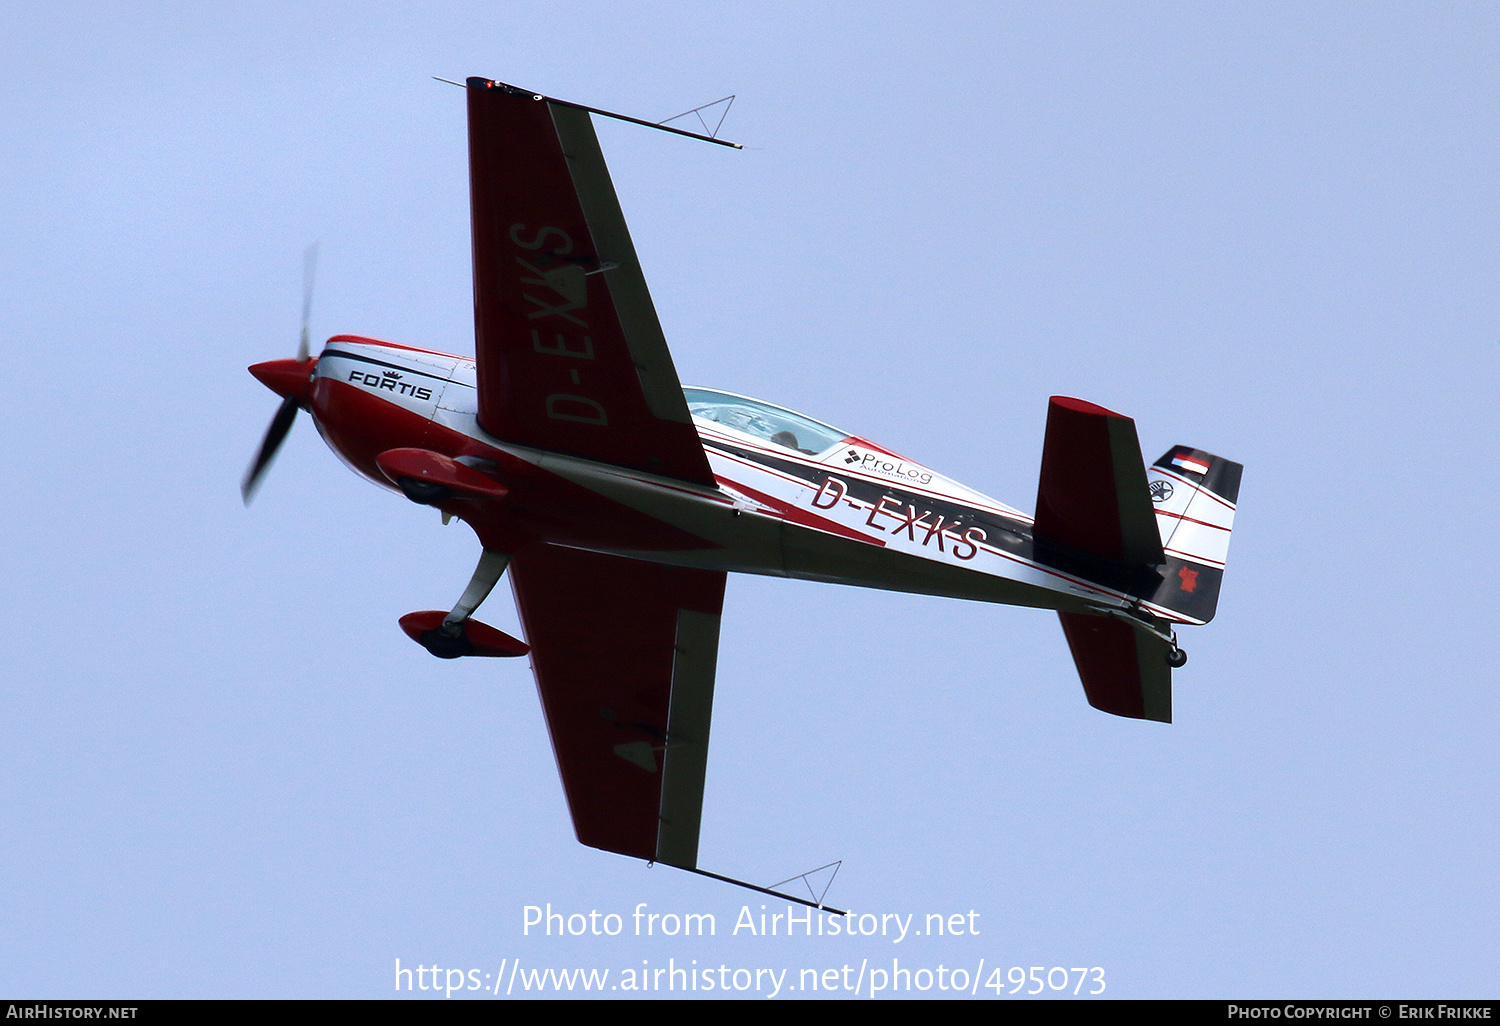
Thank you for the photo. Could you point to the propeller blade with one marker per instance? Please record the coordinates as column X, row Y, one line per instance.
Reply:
column 275, row 435
column 309, row 272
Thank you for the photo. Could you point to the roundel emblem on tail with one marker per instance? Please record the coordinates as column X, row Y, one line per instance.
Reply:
column 1161, row 490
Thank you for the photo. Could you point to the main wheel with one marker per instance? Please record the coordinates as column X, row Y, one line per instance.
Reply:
column 446, row 646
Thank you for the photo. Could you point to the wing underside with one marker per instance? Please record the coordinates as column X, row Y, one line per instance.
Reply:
column 624, row 654
column 570, row 353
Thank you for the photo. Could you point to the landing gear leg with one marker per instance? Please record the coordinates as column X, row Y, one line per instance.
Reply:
column 449, row 641
column 491, row 565
column 1176, row 657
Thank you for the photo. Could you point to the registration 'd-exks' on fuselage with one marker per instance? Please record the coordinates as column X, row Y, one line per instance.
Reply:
column 618, row 500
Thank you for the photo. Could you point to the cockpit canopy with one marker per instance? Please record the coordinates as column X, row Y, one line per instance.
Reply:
column 762, row 420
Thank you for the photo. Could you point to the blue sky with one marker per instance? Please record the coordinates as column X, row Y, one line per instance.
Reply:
column 1265, row 230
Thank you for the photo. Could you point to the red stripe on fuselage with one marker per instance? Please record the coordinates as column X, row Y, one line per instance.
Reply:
column 995, row 508
column 797, row 515
column 1191, row 520
column 856, row 504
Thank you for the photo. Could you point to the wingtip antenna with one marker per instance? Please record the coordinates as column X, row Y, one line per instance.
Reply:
column 707, row 135
column 815, row 902
column 450, row 81
column 711, row 133
column 806, row 878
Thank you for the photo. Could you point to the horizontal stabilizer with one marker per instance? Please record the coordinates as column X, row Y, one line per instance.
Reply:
column 1092, row 496
column 1124, row 670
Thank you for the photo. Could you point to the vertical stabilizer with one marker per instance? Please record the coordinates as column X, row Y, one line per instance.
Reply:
column 1194, row 493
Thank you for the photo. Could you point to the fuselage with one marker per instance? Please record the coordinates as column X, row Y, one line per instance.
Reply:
column 795, row 497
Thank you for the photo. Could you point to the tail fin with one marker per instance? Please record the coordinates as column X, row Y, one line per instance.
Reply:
column 1160, row 534
column 1195, row 494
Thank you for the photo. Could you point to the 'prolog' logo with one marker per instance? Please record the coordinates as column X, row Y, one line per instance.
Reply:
column 875, row 463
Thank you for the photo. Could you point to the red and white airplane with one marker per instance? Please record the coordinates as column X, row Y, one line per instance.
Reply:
column 619, row 500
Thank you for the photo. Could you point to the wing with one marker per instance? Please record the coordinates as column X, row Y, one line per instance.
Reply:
column 570, row 355
column 624, row 655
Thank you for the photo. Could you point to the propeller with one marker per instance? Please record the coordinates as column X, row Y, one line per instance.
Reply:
column 289, row 379
column 309, row 270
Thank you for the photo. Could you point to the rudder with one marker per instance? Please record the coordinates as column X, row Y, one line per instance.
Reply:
column 1194, row 493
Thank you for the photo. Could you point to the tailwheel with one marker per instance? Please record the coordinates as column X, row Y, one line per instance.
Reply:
column 1176, row 657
